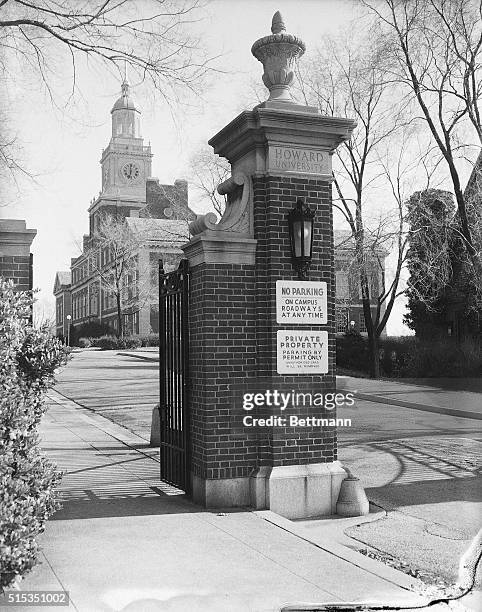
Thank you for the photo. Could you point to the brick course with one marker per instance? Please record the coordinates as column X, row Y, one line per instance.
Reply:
column 17, row 268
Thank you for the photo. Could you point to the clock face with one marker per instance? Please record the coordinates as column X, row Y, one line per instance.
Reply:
column 130, row 171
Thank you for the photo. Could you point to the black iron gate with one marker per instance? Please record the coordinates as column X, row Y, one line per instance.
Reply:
column 173, row 375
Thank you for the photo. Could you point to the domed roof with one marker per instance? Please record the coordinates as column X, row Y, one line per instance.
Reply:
column 125, row 101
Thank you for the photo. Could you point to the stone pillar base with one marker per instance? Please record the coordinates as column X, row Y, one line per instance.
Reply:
column 298, row 491
column 293, row 491
column 222, row 493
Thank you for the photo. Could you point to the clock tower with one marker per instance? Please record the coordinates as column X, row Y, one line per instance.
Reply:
column 125, row 163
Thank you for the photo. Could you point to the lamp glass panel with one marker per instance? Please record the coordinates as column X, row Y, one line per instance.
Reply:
column 297, row 235
column 307, row 238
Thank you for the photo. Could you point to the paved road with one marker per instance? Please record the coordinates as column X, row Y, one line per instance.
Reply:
column 120, row 388
column 421, row 466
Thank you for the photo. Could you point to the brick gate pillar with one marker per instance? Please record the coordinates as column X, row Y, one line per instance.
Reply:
column 279, row 152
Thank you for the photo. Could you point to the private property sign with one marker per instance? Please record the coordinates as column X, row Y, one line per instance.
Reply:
column 301, row 302
column 301, row 352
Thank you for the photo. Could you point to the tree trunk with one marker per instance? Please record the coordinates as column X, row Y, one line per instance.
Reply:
column 373, row 355
column 120, row 327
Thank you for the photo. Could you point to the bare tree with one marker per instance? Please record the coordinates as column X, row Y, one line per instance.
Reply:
column 153, row 38
column 348, row 78
column 434, row 50
column 12, row 165
column 112, row 257
column 207, row 172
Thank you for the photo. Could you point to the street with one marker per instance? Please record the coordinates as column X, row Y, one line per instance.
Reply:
column 420, row 466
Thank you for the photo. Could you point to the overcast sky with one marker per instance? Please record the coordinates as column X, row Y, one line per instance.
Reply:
column 63, row 146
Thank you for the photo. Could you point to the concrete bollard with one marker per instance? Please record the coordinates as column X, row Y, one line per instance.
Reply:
column 155, row 427
column 352, row 499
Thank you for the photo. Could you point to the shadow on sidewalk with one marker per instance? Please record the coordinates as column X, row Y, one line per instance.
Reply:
column 153, row 502
column 428, row 492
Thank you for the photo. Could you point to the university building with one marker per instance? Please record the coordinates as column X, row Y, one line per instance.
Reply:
column 154, row 220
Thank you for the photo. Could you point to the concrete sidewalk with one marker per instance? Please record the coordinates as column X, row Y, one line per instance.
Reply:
column 126, row 541
column 413, row 395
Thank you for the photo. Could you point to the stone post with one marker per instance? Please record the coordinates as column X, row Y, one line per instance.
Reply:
column 279, row 152
column 15, row 256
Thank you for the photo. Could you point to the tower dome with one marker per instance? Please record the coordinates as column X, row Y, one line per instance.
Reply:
column 125, row 116
column 125, row 101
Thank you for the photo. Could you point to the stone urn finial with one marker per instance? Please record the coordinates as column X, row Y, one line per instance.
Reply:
column 277, row 24
column 278, row 54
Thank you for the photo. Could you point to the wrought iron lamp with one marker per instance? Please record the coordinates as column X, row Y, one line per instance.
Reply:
column 300, row 223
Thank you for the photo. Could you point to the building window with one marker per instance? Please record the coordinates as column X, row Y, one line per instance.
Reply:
column 372, row 286
column 341, row 321
column 131, row 323
column 342, row 289
column 60, row 311
column 361, row 323
column 94, row 299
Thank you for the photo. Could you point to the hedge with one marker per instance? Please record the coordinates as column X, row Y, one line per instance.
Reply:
column 110, row 342
column 28, row 360
column 410, row 357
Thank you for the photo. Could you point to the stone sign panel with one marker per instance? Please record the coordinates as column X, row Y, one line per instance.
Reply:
column 301, row 352
column 301, row 302
column 297, row 159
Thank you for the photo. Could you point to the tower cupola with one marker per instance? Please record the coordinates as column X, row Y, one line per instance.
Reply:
column 125, row 116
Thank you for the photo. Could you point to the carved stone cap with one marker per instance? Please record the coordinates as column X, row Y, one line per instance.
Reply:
column 278, row 53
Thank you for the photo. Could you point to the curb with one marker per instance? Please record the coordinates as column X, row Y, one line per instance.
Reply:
column 143, row 357
column 379, row 399
column 372, row 566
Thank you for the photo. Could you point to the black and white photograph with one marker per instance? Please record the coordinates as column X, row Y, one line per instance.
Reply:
column 241, row 305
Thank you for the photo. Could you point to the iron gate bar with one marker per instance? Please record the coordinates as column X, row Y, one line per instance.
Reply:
column 174, row 376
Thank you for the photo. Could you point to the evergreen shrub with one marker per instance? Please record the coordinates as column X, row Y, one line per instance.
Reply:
column 113, row 343
column 92, row 329
column 28, row 360
column 106, row 343
column 132, row 342
column 410, row 357
column 444, row 359
column 352, row 352
column 150, row 340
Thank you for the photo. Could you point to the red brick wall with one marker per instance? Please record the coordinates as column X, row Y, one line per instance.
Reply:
column 221, row 357
column 233, row 341
column 274, row 197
